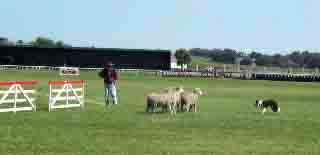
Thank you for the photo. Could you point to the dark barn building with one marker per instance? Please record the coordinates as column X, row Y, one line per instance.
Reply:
column 85, row 57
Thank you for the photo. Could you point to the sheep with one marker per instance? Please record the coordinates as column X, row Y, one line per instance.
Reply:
column 155, row 100
column 190, row 99
column 165, row 99
column 176, row 92
column 174, row 99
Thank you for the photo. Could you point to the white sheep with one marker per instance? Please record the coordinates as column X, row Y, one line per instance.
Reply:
column 176, row 95
column 191, row 99
column 155, row 100
column 165, row 99
column 174, row 98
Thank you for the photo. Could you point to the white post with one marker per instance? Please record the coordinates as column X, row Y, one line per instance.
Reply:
column 83, row 88
column 67, row 93
column 50, row 97
column 15, row 97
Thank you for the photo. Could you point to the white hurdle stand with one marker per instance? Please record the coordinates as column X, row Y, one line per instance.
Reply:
column 15, row 88
column 72, row 92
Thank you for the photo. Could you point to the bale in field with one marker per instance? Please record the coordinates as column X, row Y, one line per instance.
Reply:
column 191, row 99
column 166, row 99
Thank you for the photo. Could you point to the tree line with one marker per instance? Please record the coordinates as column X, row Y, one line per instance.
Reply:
column 229, row 56
column 38, row 42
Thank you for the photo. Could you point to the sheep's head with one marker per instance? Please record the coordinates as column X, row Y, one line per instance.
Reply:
column 198, row 91
column 180, row 89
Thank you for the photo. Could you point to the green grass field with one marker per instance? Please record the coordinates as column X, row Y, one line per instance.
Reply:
column 226, row 124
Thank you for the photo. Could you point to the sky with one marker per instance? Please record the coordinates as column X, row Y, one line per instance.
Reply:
column 263, row 25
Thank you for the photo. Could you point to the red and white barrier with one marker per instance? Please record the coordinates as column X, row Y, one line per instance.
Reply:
column 69, row 71
column 72, row 92
column 11, row 97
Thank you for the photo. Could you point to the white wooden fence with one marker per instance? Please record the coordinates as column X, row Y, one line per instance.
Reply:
column 66, row 91
column 11, row 98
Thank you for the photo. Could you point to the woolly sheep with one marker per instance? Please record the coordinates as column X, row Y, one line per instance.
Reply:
column 166, row 99
column 155, row 100
column 190, row 99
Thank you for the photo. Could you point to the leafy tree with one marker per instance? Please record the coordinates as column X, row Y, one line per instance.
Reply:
column 255, row 55
column 294, row 59
column 201, row 52
column 43, row 42
column 264, row 60
column 19, row 42
column 59, row 43
column 5, row 42
column 183, row 57
column 297, row 58
column 226, row 56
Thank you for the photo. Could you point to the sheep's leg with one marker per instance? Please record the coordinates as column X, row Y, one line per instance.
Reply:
column 147, row 108
column 163, row 108
column 181, row 106
column 150, row 107
column 178, row 107
column 174, row 109
column 189, row 107
column 170, row 109
column 153, row 107
column 193, row 107
column 198, row 107
column 186, row 107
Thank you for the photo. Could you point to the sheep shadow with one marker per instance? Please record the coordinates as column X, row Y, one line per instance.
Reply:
column 151, row 113
column 159, row 112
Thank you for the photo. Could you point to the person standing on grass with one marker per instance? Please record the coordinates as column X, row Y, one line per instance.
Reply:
column 110, row 76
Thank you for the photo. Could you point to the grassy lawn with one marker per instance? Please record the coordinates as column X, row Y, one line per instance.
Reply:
column 226, row 124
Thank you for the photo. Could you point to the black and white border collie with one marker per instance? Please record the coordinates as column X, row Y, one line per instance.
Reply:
column 264, row 104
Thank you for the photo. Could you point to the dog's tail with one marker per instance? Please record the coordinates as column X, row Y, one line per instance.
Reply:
column 278, row 109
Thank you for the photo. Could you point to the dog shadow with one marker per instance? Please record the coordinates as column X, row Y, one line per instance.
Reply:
column 266, row 114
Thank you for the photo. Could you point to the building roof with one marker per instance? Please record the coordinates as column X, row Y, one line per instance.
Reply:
column 89, row 48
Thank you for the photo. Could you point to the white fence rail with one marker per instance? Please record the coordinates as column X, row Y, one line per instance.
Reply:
column 12, row 96
column 67, row 91
column 20, row 67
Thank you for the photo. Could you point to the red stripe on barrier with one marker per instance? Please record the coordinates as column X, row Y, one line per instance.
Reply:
column 65, row 82
column 19, row 82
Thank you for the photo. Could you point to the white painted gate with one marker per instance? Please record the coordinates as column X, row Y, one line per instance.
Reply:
column 71, row 92
column 15, row 95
